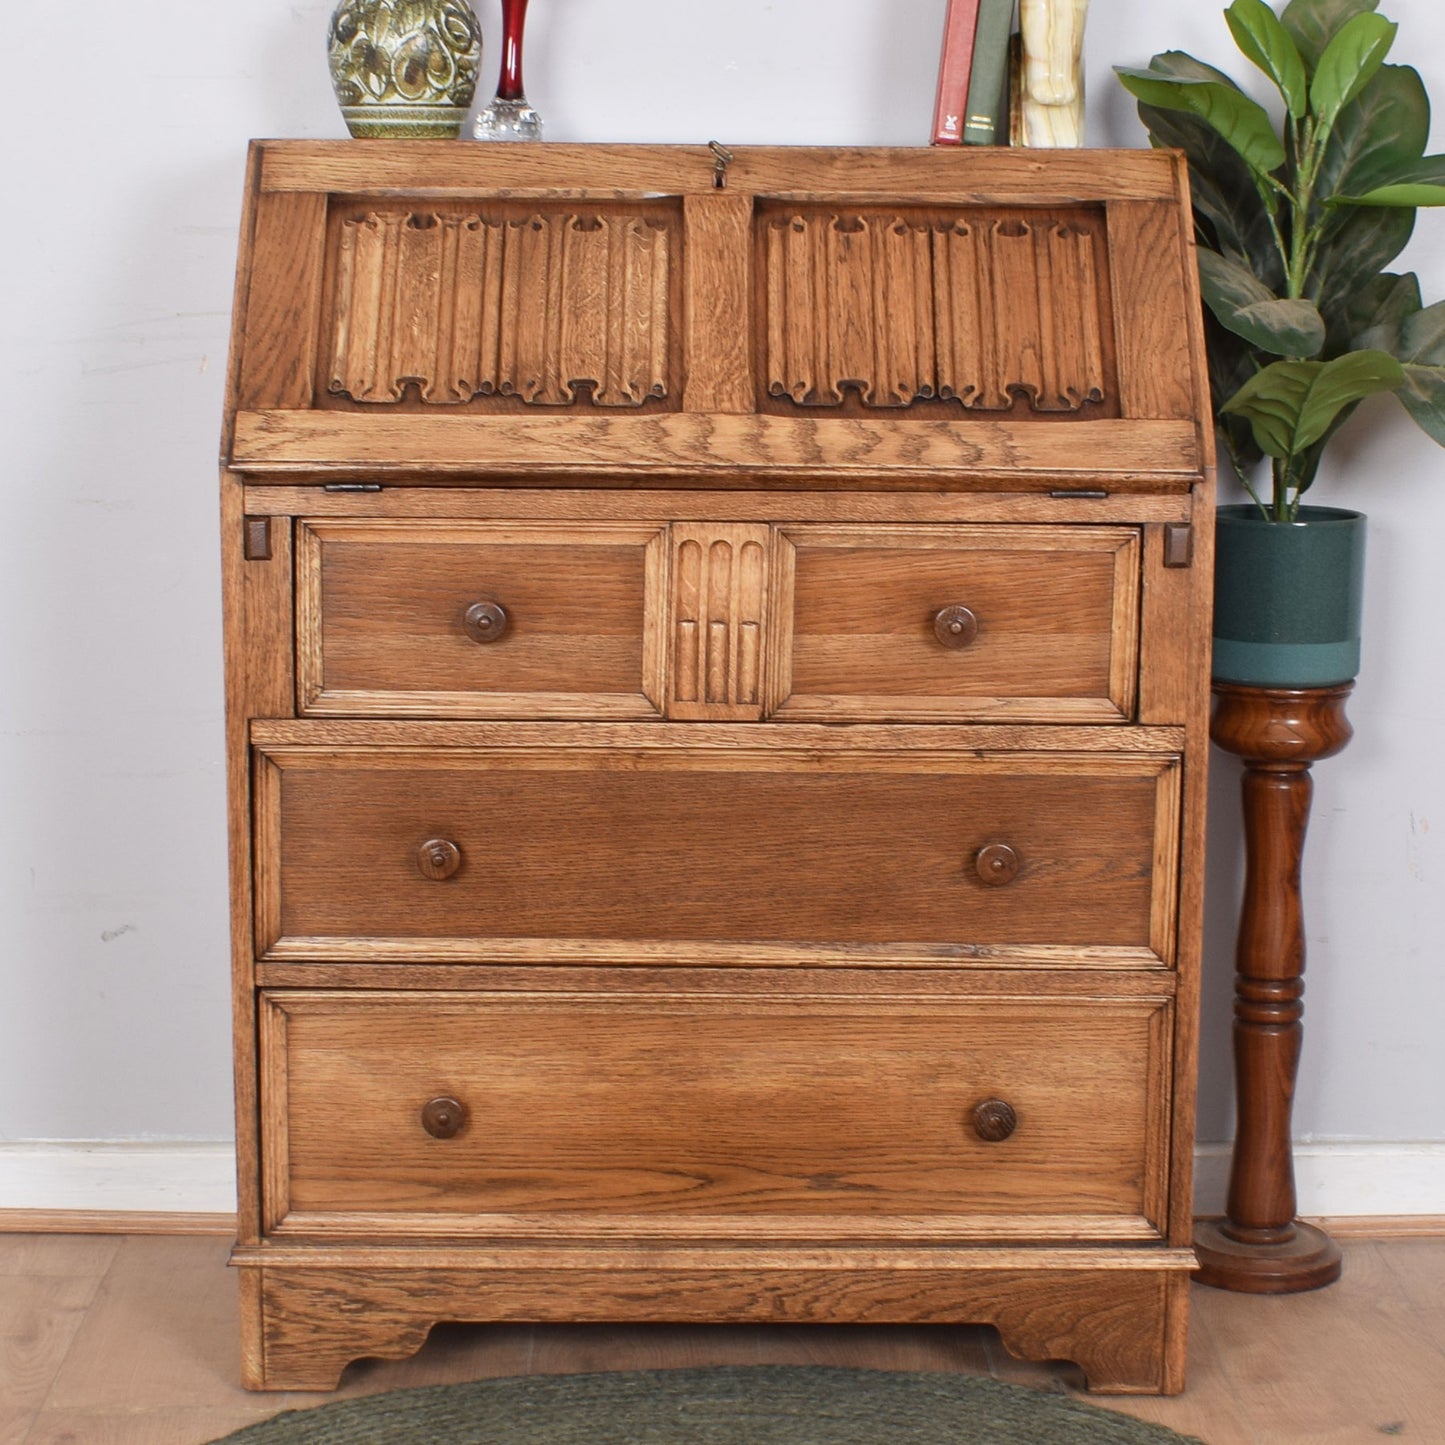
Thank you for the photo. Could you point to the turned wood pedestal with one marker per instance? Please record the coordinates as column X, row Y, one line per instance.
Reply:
column 1259, row 1247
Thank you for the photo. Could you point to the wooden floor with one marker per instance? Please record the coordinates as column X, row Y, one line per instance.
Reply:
column 131, row 1340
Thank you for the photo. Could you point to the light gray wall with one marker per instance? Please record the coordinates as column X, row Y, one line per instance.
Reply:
column 123, row 188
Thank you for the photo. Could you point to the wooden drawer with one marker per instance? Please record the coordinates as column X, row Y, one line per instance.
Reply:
column 956, row 623
column 476, row 619
column 679, row 844
column 713, row 1115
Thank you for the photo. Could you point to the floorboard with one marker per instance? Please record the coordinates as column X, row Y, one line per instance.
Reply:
column 133, row 1341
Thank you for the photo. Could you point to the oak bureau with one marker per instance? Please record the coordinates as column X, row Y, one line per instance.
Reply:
column 716, row 689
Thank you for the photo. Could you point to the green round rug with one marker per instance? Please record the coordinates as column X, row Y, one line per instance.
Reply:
column 745, row 1405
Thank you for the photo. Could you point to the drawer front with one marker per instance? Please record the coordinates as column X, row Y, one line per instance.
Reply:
column 955, row 623
column 706, row 1115
column 476, row 619
column 579, row 852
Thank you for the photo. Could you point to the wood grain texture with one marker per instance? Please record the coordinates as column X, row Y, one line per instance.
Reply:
column 984, row 175
column 718, row 296
column 259, row 682
column 1154, row 324
column 1260, row 1247
column 405, row 448
column 1056, row 611
column 702, row 848
column 655, row 505
column 962, row 305
column 537, row 846
column 381, row 608
column 553, row 305
column 756, row 1130
column 718, row 605
column 283, row 302
column 1116, row 1324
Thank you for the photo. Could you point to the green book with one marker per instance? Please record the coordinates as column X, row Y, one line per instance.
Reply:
column 986, row 112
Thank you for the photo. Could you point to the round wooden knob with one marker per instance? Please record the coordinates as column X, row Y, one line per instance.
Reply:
column 996, row 864
column 438, row 858
column 444, row 1118
column 486, row 621
column 955, row 626
column 994, row 1119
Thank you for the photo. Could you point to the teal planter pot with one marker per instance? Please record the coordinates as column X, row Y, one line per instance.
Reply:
column 1287, row 597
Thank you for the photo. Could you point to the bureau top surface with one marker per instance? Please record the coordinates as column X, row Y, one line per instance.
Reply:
column 954, row 318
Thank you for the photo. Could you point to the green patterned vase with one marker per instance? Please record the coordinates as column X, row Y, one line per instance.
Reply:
column 404, row 68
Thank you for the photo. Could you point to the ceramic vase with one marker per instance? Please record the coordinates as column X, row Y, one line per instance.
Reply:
column 1288, row 597
column 404, row 68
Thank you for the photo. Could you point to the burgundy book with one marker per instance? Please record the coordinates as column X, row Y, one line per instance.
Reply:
column 954, row 63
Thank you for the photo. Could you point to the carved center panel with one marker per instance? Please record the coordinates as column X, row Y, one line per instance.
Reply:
column 550, row 306
column 975, row 307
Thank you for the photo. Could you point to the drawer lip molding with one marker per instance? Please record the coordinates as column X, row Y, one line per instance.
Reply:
column 756, row 1131
column 798, row 837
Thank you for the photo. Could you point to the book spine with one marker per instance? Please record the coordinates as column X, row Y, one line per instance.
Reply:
column 955, row 60
column 984, row 110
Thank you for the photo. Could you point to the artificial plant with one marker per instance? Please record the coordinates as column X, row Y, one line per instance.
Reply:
column 1296, row 223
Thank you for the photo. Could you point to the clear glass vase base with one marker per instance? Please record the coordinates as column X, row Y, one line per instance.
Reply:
column 507, row 120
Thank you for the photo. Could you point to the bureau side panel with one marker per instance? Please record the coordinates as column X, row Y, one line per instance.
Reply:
column 259, row 683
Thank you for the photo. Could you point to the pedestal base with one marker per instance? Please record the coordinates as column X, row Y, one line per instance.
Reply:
column 1310, row 1260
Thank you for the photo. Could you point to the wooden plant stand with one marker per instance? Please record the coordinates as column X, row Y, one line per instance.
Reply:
column 1259, row 1247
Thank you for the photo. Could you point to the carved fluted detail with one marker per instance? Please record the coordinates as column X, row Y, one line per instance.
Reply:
column 720, row 583
column 902, row 310
column 532, row 306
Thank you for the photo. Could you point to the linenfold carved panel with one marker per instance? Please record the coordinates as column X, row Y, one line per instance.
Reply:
column 544, row 306
column 719, row 594
column 899, row 309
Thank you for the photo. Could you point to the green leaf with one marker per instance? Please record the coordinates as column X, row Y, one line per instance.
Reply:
column 1356, row 249
column 1291, row 404
column 1243, row 304
column 1349, row 63
column 1406, row 193
column 1312, row 24
column 1418, row 341
column 1258, row 33
column 1243, row 123
column 1227, row 204
column 1378, row 137
column 1384, row 300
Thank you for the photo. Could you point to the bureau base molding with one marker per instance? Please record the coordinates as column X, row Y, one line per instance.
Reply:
column 1119, row 1314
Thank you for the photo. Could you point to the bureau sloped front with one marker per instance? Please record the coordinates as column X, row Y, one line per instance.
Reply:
column 718, row 1114
column 667, row 846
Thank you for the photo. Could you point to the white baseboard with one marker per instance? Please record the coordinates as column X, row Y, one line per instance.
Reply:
column 1337, row 1180
column 124, row 1176
column 1332, row 1180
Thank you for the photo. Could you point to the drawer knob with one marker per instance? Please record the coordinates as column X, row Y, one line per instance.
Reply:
column 438, row 858
column 994, row 1120
column 955, row 626
column 443, row 1118
column 996, row 864
column 486, row 621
